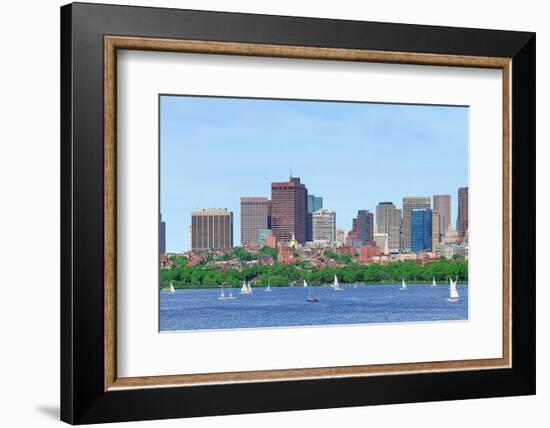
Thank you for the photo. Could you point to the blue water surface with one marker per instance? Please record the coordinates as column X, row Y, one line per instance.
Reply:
column 198, row 309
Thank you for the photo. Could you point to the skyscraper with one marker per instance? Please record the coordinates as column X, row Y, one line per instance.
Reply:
column 365, row 227
column 421, row 230
column 411, row 203
column 162, row 236
column 314, row 203
column 324, row 225
column 254, row 216
column 462, row 217
column 289, row 210
column 388, row 220
column 443, row 204
column 436, row 230
column 382, row 216
column 211, row 229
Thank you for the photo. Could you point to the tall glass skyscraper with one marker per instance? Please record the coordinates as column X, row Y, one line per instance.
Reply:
column 314, row 203
column 365, row 227
column 411, row 203
column 421, row 230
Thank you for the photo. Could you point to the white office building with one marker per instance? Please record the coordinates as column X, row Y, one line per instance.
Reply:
column 324, row 225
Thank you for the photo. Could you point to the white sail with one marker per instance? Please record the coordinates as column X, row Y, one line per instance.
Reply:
column 403, row 284
column 336, row 285
column 172, row 289
column 245, row 289
column 223, row 296
column 433, row 282
column 453, row 291
column 305, row 283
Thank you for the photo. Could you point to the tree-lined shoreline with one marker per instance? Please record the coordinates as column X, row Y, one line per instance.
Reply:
column 181, row 275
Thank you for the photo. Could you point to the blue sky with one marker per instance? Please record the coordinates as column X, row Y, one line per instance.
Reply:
column 354, row 155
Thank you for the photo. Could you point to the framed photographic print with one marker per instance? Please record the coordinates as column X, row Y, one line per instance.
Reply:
column 265, row 213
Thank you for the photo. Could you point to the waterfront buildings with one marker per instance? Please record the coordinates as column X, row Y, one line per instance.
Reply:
column 436, row 230
column 388, row 220
column 442, row 203
column 282, row 221
column 365, row 227
column 421, row 230
column 211, row 229
column 381, row 240
column 255, row 215
column 162, row 236
column 462, row 218
column 289, row 210
column 340, row 237
column 270, row 241
column 448, row 252
column 324, row 225
column 368, row 252
column 261, row 236
column 453, row 250
column 314, row 203
column 411, row 203
column 451, row 237
column 382, row 216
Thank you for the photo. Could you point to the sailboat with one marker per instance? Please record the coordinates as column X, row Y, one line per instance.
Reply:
column 336, row 285
column 268, row 289
column 355, row 285
column 403, row 285
column 311, row 297
column 172, row 289
column 245, row 289
column 434, row 284
column 229, row 296
column 453, row 293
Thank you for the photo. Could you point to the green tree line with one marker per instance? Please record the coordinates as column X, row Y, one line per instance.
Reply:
column 197, row 276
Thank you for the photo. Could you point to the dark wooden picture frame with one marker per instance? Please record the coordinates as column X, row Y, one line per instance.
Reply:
column 90, row 37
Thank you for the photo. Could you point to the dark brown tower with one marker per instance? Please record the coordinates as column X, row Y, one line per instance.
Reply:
column 462, row 218
column 289, row 210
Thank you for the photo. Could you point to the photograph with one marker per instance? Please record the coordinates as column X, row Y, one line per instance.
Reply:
column 267, row 211
column 280, row 213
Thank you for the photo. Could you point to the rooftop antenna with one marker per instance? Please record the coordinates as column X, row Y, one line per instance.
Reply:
column 290, row 171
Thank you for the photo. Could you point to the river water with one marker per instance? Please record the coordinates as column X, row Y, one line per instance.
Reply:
column 199, row 309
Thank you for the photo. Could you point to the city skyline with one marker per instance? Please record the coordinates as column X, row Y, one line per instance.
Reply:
column 421, row 152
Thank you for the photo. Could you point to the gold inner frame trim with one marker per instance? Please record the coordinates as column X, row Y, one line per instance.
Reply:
column 113, row 43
